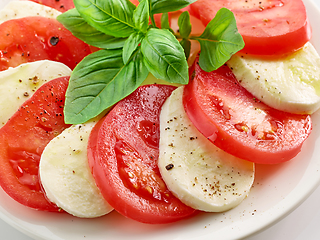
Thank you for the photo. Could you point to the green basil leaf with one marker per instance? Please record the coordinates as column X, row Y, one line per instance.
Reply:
column 82, row 30
column 164, row 6
column 186, row 44
column 219, row 41
column 184, row 25
column 113, row 18
column 100, row 81
column 165, row 23
column 141, row 16
column 164, row 56
column 131, row 45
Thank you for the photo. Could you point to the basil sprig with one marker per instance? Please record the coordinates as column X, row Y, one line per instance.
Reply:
column 132, row 46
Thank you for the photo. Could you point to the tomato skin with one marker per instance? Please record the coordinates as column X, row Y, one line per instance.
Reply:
column 123, row 150
column 22, row 140
column 273, row 27
column 37, row 38
column 235, row 121
column 60, row 5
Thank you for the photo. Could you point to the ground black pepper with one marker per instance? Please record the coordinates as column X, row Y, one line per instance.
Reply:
column 54, row 41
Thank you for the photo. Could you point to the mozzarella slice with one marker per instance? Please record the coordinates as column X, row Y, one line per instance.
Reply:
column 18, row 84
column 20, row 9
column 290, row 84
column 198, row 173
column 65, row 175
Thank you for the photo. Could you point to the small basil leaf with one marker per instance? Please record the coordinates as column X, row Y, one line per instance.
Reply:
column 186, row 44
column 184, row 25
column 100, row 81
column 165, row 23
column 141, row 16
column 164, row 56
column 164, row 6
column 113, row 18
column 219, row 41
column 80, row 29
column 131, row 45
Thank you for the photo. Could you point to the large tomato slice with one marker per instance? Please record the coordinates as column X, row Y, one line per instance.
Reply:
column 64, row 5
column 23, row 139
column 60, row 5
column 268, row 27
column 37, row 38
column 240, row 124
column 123, row 150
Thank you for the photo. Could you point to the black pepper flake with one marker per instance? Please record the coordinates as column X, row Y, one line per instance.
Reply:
column 54, row 41
column 169, row 166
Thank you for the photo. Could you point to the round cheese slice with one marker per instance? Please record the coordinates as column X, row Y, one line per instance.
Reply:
column 198, row 173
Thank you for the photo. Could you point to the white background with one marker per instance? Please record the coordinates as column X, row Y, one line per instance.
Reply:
column 303, row 223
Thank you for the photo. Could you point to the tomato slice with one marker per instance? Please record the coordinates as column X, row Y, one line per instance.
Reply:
column 37, row 38
column 240, row 124
column 60, row 5
column 23, row 139
column 123, row 150
column 268, row 27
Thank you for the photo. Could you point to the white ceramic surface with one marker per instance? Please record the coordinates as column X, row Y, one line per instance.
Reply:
column 265, row 214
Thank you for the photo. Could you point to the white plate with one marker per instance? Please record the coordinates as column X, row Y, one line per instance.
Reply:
column 277, row 191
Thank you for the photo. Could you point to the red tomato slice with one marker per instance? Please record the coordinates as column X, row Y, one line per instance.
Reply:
column 268, row 27
column 60, row 5
column 23, row 139
column 135, row 2
column 123, row 150
column 238, row 123
column 38, row 38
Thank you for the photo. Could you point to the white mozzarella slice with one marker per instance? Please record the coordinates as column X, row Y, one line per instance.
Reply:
column 66, row 177
column 290, row 83
column 20, row 9
column 198, row 173
column 18, row 84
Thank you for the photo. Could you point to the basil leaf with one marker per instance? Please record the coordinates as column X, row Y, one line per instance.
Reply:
column 184, row 25
column 131, row 45
column 164, row 6
column 141, row 16
column 219, row 41
column 186, row 44
column 164, row 56
column 113, row 18
column 100, row 81
column 72, row 21
column 165, row 23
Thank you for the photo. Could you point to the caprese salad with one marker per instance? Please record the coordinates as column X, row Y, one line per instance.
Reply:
column 98, row 114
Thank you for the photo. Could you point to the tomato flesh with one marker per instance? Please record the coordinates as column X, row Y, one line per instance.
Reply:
column 123, row 150
column 273, row 27
column 60, row 5
column 37, row 38
column 22, row 140
column 238, row 123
